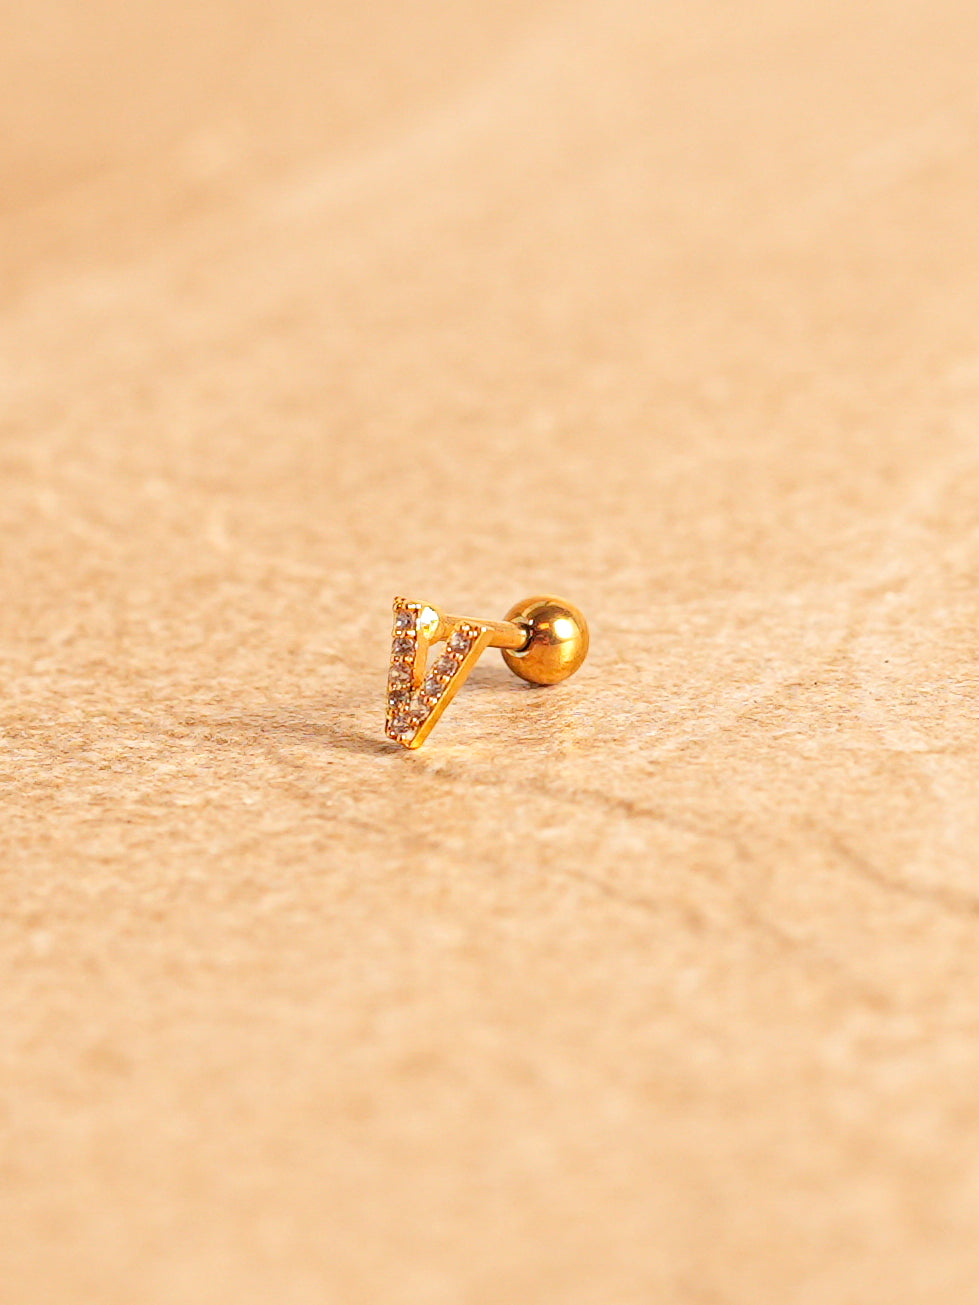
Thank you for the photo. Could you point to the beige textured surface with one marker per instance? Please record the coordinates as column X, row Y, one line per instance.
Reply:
column 660, row 986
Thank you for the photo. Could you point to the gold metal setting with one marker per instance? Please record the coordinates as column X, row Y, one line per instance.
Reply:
column 543, row 640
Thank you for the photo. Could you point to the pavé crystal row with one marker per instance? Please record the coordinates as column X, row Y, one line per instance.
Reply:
column 403, row 648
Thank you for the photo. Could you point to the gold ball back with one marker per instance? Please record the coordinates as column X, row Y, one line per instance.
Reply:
column 557, row 644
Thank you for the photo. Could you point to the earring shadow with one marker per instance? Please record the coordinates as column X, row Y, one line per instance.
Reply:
column 498, row 678
column 259, row 730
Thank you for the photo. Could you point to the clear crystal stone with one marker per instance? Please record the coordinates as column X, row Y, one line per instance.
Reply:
column 404, row 620
column 402, row 647
column 428, row 621
column 444, row 667
column 399, row 677
column 459, row 642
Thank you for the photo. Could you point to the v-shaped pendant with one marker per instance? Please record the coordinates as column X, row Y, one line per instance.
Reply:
column 418, row 694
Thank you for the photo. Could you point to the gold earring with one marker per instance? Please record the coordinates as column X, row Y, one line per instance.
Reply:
column 543, row 640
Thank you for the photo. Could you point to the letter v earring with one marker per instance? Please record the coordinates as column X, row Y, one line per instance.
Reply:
column 543, row 640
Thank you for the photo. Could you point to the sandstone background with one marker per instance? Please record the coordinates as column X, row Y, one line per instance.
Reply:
column 660, row 986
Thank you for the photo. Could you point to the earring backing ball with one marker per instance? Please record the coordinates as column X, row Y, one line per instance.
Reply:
column 557, row 640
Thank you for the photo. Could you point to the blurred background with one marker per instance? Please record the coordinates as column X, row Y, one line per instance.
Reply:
column 186, row 101
column 661, row 986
